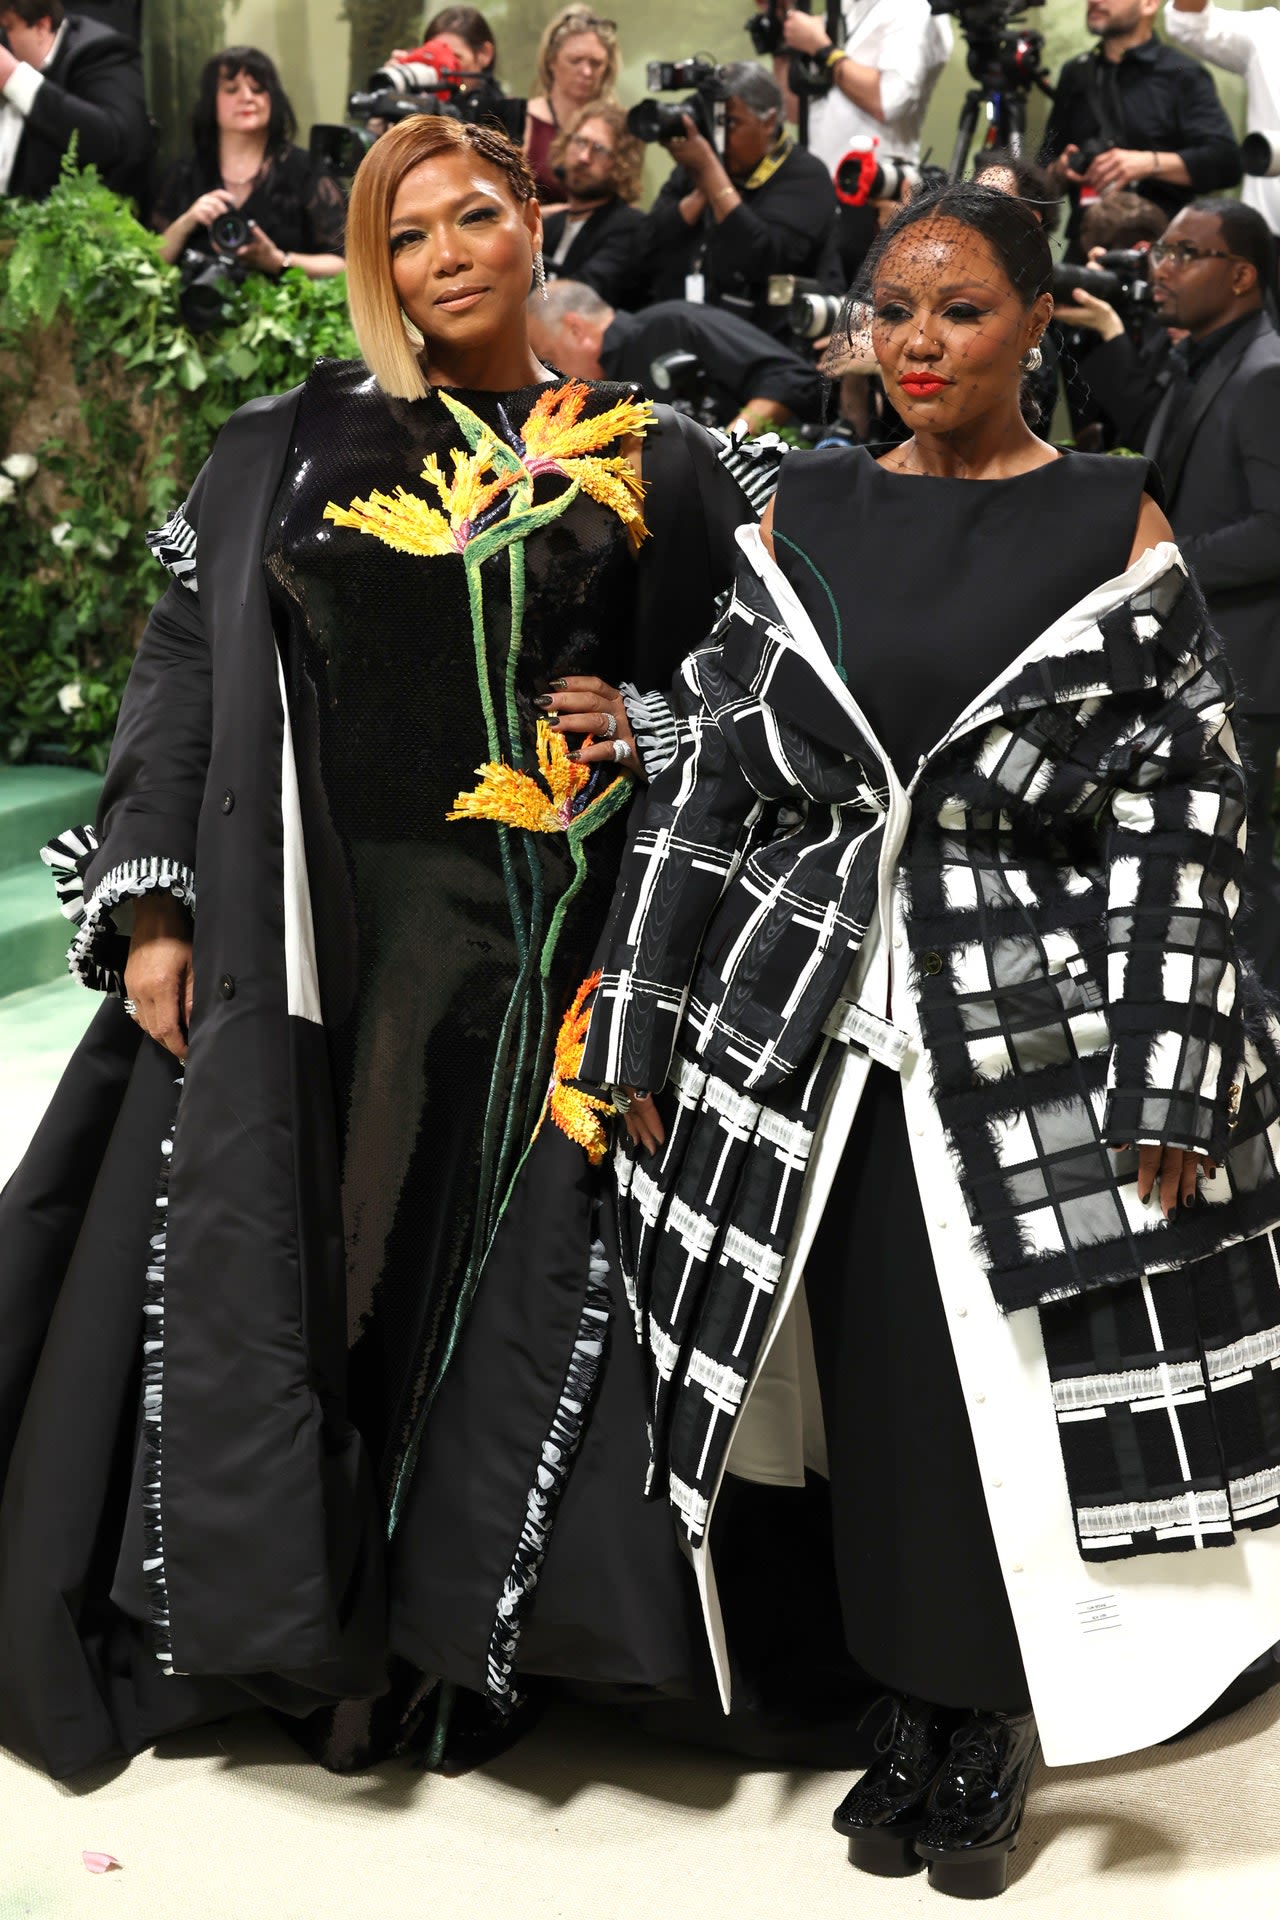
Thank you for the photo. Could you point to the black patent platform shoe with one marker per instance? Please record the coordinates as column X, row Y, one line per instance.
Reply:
column 882, row 1814
column 975, row 1804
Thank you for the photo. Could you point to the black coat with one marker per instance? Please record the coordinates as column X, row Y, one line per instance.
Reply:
column 602, row 254
column 94, row 88
column 1217, row 444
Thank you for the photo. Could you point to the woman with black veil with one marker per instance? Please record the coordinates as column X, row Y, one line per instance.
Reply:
column 953, row 1168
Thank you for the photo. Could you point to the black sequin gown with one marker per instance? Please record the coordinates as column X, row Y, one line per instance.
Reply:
column 448, row 952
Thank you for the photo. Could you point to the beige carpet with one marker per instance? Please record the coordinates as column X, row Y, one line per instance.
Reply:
column 588, row 1821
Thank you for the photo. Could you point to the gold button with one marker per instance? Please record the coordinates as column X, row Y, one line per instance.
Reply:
column 931, row 963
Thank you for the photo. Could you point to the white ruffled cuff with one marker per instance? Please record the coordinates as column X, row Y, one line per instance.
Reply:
column 654, row 726
column 99, row 948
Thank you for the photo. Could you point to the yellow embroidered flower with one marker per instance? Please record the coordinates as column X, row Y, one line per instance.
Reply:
column 575, row 1112
column 410, row 524
column 517, row 800
column 558, row 440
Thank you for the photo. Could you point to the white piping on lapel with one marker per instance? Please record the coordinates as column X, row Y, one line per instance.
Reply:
column 301, row 974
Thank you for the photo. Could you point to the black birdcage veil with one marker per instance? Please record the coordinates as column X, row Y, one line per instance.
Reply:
column 964, row 268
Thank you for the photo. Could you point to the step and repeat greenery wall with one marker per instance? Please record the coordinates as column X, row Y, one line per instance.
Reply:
column 108, row 405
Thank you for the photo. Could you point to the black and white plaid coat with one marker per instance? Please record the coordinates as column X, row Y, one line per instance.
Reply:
column 1064, row 869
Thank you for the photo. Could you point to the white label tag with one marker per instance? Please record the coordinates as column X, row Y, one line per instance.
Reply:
column 695, row 288
column 851, row 1023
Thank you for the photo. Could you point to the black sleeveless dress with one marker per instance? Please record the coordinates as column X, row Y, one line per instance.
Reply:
column 922, row 590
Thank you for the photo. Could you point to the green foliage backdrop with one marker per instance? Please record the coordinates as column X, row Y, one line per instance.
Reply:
column 105, row 391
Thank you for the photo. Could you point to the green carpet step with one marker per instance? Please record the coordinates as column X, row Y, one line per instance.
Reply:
column 34, row 936
column 39, row 1029
column 36, row 803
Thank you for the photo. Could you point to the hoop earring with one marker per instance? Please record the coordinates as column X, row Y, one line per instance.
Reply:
column 1032, row 360
column 540, row 273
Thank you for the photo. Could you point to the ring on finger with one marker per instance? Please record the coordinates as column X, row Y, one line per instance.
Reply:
column 608, row 725
column 622, row 750
column 621, row 1101
column 131, row 1008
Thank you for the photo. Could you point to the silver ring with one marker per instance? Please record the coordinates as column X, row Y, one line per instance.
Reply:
column 610, row 726
column 621, row 1101
column 131, row 1008
column 622, row 749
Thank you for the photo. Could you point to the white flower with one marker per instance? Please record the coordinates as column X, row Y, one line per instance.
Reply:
column 61, row 533
column 7, row 490
column 70, row 698
column 20, row 466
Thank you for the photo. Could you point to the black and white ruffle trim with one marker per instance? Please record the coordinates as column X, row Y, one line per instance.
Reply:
column 89, row 956
column 654, row 726
column 754, row 464
column 153, row 1567
column 544, row 1496
column 174, row 546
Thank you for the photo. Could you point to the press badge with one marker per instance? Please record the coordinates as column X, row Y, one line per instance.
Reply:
column 695, row 288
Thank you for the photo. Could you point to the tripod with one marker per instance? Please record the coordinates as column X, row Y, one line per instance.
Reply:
column 1006, row 67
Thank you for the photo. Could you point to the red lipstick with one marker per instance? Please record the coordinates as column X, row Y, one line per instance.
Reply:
column 922, row 385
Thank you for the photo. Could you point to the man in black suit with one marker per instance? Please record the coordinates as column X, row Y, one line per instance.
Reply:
column 1216, row 440
column 63, row 75
column 592, row 238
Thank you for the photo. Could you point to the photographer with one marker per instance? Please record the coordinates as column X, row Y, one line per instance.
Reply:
column 753, row 381
column 1216, row 440
column 65, row 78
column 719, row 228
column 594, row 238
column 880, row 61
column 468, row 36
column 1135, row 113
column 244, row 161
column 1121, row 361
column 1247, row 43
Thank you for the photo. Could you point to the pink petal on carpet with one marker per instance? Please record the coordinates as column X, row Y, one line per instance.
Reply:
column 99, row 1862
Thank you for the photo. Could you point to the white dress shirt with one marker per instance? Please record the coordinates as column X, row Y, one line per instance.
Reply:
column 1247, row 43
column 909, row 46
column 16, row 99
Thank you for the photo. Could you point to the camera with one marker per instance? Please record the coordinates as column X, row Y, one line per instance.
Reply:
column 429, row 82
column 656, row 120
column 204, row 285
column 1260, row 153
column 1085, row 156
column 1121, row 277
column 812, row 312
column 864, row 174
column 681, row 379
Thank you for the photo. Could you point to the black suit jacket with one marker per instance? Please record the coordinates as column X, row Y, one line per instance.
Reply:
column 94, row 88
column 1217, row 444
column 602, row 254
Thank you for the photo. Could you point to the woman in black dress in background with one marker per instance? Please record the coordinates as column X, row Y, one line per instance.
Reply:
column 307, row 1250
column 243, row 160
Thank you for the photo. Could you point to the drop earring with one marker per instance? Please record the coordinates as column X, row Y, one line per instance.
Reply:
column 1032, row 360
column 540, row 273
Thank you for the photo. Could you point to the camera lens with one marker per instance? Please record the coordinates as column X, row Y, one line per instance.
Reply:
column 229, row 232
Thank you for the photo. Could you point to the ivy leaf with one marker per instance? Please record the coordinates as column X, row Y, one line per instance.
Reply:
column 242, row 362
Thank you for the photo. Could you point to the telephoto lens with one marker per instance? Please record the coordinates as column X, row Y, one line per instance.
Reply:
column 1260, row 153
column 1068, row 281
column 659, row 121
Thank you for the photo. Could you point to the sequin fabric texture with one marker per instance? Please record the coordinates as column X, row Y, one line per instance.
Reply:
column 427, row 593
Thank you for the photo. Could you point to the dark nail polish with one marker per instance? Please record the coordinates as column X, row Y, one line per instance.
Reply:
column 574, row 754
column 1188, row 1199
column 558, row 686
column 543, row 700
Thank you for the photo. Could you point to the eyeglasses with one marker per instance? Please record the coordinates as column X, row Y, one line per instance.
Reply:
column 1178, row 253
column 584, row 145
column 584, row 23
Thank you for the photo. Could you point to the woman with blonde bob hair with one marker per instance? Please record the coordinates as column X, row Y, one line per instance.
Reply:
column 577, row 61
column 354, row 1193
